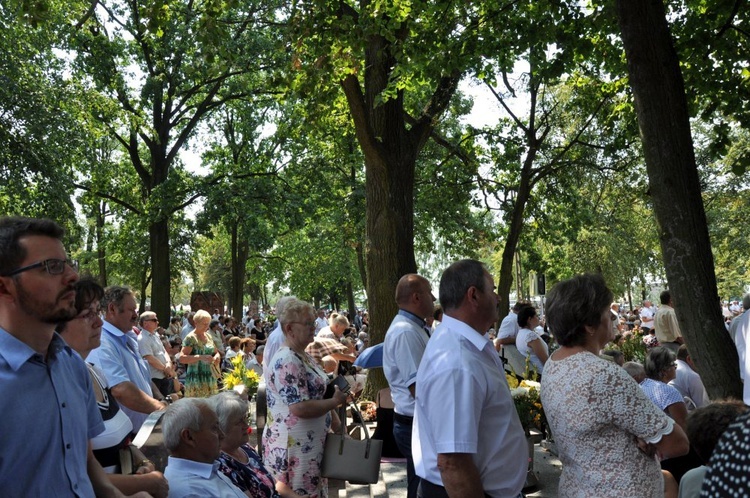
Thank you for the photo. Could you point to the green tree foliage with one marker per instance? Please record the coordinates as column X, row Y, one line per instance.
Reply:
column 163, row 68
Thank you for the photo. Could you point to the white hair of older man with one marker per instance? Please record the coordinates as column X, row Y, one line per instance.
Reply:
column 182, row 414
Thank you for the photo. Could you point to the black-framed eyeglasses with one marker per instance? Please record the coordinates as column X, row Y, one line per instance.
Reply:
column 53, row 266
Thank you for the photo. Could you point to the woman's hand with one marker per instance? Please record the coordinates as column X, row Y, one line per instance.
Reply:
column 206, row 358
column 339, row 396
column 647, row 448
column 216, row 358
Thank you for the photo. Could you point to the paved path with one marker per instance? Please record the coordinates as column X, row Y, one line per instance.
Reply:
column 547, row 469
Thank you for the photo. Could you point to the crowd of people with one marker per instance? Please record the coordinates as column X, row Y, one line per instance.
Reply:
column 88, row 368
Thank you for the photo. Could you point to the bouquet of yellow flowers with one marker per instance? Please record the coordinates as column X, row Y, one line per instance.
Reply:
column 240, row 375
column 528, row 403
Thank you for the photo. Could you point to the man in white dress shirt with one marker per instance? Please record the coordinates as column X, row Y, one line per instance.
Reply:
column 403, row 347
column 740, row 334
column 467, row 439
column 193, row 437
column 647, row 316
column 687, row 380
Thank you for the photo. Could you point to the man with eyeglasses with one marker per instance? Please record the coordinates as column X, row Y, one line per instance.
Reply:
column 47, row 401
column 119, row 357
column 153, row 351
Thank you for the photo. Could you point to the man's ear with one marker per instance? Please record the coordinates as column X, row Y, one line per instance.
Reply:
column 7, row 288
column 186, row 436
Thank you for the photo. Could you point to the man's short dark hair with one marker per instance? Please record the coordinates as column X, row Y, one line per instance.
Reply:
column 665, row 297
column 115, row 294
column 706, row 424
column 574, row 304
column 457, row 279
column 683, row 353
column 87, row 291
column 13, row 228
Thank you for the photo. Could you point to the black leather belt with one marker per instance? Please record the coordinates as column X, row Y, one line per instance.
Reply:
column 403, row 419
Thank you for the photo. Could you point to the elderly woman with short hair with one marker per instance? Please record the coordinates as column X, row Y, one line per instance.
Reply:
column 238, row 460
column 605, row 427
column 661, row 367
column 298, row 416
column 199, row 352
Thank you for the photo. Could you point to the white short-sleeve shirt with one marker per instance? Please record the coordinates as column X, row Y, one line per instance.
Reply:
column 404, row 345
column 508, row 327
column 464, row 405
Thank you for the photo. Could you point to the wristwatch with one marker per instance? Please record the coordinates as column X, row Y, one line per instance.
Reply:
column 168, row 399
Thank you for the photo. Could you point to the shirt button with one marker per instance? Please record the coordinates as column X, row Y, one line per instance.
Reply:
column 64, row 404
column 67, row 446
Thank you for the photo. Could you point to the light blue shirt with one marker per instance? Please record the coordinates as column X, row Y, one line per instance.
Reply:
column 189, row 479
column 404, row 345
column 120, row 360
column 48, row 413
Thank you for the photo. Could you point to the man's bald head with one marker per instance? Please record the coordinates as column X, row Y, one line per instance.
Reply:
column 414, row 294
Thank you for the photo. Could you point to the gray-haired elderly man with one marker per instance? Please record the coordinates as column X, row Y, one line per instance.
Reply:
column 120, row 358
column 193, row 438
column 467, row 439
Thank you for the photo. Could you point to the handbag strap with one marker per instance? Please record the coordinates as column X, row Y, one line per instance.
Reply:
column 362, row 424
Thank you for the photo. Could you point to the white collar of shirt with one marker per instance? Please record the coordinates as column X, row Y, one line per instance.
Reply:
column 202, row 470
column 473, row 336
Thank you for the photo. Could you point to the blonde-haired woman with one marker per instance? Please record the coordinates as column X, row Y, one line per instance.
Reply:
column 199, row 353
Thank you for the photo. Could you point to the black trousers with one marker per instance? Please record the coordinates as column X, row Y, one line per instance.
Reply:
column 166, row 386
column 430, row 490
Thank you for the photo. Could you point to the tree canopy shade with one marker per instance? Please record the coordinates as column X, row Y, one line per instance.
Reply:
column 163, row 68
column 398, row 64
column 662, row 111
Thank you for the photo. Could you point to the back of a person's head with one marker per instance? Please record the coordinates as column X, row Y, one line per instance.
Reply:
column 574, row 304
column 635, row 370
column 706, row 424
column 616, row 355
column 746, row 301
column 665, row 297
column 683, row 353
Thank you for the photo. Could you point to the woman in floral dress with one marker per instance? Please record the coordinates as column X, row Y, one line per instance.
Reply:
column 199, row 353
column 298, row 416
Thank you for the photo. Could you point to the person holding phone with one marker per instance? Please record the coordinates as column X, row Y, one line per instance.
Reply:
column 299, row 415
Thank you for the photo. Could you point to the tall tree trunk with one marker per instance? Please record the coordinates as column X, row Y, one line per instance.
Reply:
column 101, row 253
column 160, row 272
column 350, row 301
column 390, row 150
column 505, row 279
column 663, row 119
column 240, row 253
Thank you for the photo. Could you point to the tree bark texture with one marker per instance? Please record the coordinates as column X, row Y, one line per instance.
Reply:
column 390, row 150
column 515, row 227
column 661, row 107
column 160, row 271
column 240, row 253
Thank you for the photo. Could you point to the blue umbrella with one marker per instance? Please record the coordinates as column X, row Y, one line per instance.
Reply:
column 371, row 357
